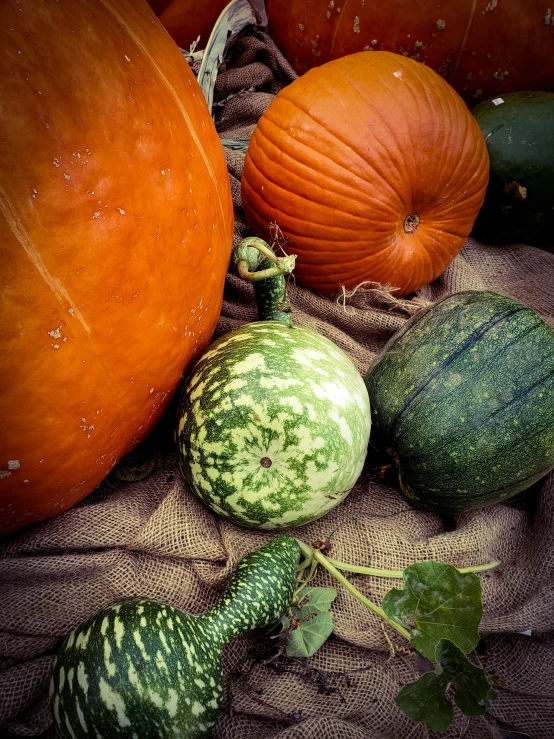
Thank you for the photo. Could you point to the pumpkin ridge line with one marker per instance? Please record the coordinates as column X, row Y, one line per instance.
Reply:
column 304, row 220
column 337, row 26
column 14, row 222
column 174, row 95
column 472, row 338
column 464, row 40
column 324, row 201
column 516, row 398
column 346, row 144
column 321, row 155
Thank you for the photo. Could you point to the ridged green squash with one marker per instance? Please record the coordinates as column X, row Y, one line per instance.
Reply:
column 273, row 425
column 141, row 669
column 519, row 133
column 463, row 398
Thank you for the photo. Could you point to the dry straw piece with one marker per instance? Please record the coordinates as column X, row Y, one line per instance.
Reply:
column 154, row 538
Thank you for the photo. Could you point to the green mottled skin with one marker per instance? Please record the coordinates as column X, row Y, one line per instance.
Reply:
column 518, row 135
column 274, row 424
column 463, row 395
column 141, row 669
column 271, row 299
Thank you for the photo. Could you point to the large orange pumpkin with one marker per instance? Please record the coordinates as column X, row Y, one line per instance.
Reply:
column 185, row 20
column 115, row 233
column 373, row 168
column 482, row 47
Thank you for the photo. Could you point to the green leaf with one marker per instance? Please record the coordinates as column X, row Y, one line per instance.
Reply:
column 473, row 691
column 319, row 599
column 309, row 635
column 425, row 699
column 437, row 602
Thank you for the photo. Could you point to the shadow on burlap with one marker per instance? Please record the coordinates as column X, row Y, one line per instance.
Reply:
column 154, row 538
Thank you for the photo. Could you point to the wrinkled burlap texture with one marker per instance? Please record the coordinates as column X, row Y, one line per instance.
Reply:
column 154, row 538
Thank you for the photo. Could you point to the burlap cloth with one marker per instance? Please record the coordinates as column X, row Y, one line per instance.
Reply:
column 154, row 538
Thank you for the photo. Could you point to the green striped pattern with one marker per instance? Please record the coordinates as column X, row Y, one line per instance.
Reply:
column 141, row 669
column 464, row 396
column 274, row 424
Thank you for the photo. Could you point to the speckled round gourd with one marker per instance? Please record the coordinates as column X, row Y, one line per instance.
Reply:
column 273, row 427
column 142, row 669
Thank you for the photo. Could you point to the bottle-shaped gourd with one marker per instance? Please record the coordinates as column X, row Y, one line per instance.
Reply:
column 142, row 669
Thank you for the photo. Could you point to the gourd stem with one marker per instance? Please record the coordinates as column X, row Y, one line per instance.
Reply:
column 247, row 262
column 319, row 557
column 277, row 270
column 400, row 573
column 257, row 263
column 301, row 584
column 313, row 556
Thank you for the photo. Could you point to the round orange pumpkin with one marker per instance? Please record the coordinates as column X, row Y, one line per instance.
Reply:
column 482, row 47
column 373, row 168
column 185, row 20
column 116, row 228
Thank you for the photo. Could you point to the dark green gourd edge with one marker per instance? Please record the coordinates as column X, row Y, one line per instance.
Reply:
column 519, row 203
column 463, row 398
column 142, row 669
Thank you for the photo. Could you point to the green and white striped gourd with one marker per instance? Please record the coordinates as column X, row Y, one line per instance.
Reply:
column 273, row 423
column 142, row 669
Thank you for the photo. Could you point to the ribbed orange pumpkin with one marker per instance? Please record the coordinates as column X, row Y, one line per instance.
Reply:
column 483, row 48
column 373, row 168
column 115, row 231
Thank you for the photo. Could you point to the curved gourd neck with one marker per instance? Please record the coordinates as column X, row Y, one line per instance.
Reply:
column 257, row 263
column 259, row 592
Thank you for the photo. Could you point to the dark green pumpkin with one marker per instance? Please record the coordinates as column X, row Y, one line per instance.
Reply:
column 463, row 398
column 519, row 204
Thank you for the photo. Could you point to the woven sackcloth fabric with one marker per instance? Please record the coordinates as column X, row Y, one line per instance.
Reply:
column 154, row 537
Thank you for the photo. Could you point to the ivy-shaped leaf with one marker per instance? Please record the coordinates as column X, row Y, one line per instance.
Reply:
column 425, row 699
column 312, row 632
column 437, row 602
column 473, row 691
column 306, row 639
column 319, row 599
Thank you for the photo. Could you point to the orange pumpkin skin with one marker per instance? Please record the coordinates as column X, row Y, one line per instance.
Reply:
column 373, row 168
column 185, row 20
column 116, row 229
column 483, row 48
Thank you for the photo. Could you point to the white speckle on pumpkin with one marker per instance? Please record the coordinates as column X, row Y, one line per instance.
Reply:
column 126, row 57
column 56, row 162
column 14, row 464
column 121, row 211
column 96, row 214
column 67, row 177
